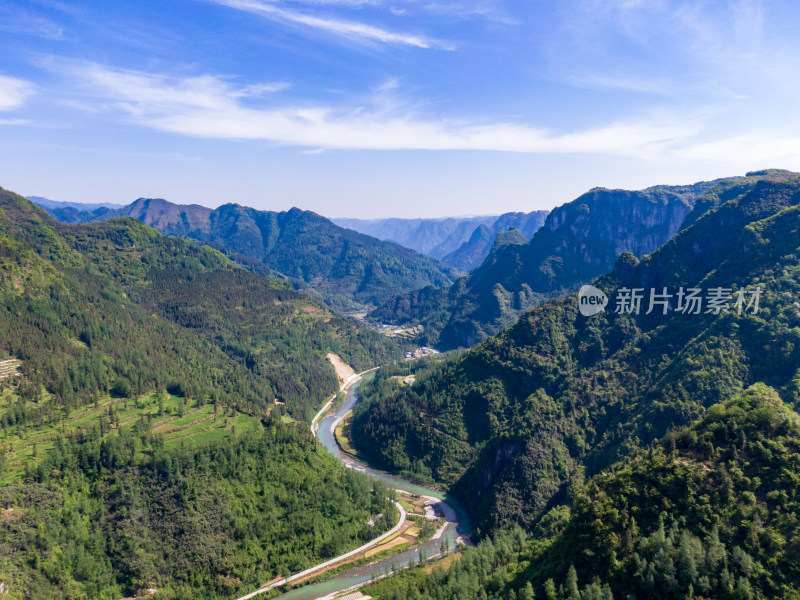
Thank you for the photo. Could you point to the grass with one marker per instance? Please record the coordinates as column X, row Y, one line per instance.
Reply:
column 342, row 434
column 178, row 420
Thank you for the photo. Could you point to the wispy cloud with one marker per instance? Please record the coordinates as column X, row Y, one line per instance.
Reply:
column 20, row 21
column 489, row 10
column 625, row 83
column 14, row 92
column 671, row 46
column 349, row 30
column 211, row 107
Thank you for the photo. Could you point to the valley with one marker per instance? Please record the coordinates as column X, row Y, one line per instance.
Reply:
column 215, row 402
column 408, row 300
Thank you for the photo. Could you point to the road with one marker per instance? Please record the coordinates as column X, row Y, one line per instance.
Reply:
column 333, row 561
column 314, row 426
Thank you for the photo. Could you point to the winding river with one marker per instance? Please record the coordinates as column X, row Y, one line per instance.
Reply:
column 458, row 520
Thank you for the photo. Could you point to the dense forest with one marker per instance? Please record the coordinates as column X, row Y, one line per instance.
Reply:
column 518, row 423
column 145, row 441
column 106, row 516
column 341, row 267
column 624, row 455
column 117, row 308
column 709, row 511
column 578, row 242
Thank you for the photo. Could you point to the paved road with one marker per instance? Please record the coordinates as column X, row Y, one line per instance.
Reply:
column 314, row 425
column 332, row 561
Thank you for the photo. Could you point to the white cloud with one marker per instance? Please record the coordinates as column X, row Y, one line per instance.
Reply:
column 746, row 150
column 14, row 92
column 210, row 107
column 350, row 30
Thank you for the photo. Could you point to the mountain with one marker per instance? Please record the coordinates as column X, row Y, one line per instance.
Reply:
column 472, row 251
column 449, row 239
column 243, row 338
column 707, row 512
column 526, row 223
column 190, row 220
column 483, row 243
column 578, row 242
column 79, row 206
column 345, row 269
column 516, row 424
column 504, row 238
column 148, row 445
column 434, row 237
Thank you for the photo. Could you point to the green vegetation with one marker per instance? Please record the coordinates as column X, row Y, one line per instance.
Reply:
column 151, row 412
column 578, row 242
column 341, row 267
column 116, row 308
column 708, row 512
column 519, row 423
column 178, row 420
column 108, row 516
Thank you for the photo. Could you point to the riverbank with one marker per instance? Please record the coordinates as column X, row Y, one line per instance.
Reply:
column 453, row 532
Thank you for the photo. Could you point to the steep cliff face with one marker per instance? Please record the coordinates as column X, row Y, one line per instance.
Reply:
column 582, row 239
column 577, row 242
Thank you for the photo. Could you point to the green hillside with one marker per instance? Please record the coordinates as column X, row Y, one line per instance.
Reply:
column 345, row 269
column 117, row 308
column 518, row 423
column 146, row 442
column 117, row 514
column 710, row 512
column 578, row 242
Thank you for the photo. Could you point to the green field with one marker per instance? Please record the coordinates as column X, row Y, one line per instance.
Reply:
column 174, row 418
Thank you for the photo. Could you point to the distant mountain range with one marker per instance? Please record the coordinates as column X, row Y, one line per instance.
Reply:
column 79, row 206
column 462, row 242
column 579, row 241
column 345, row 269
column 434, row 237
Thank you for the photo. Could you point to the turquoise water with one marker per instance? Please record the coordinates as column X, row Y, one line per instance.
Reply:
column 356, row 575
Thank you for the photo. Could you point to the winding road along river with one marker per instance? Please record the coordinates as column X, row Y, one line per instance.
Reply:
column 458, row 521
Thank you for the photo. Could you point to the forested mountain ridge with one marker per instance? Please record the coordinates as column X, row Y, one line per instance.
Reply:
column 341, row 267
column 579, row 241
column 141, row 328
column 519, row 421
column 185, row 316
column 709, row 511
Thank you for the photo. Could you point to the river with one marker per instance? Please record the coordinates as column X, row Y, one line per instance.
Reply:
column 356, row 575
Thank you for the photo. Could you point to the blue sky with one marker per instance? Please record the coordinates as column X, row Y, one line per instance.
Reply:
column 377, row 108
